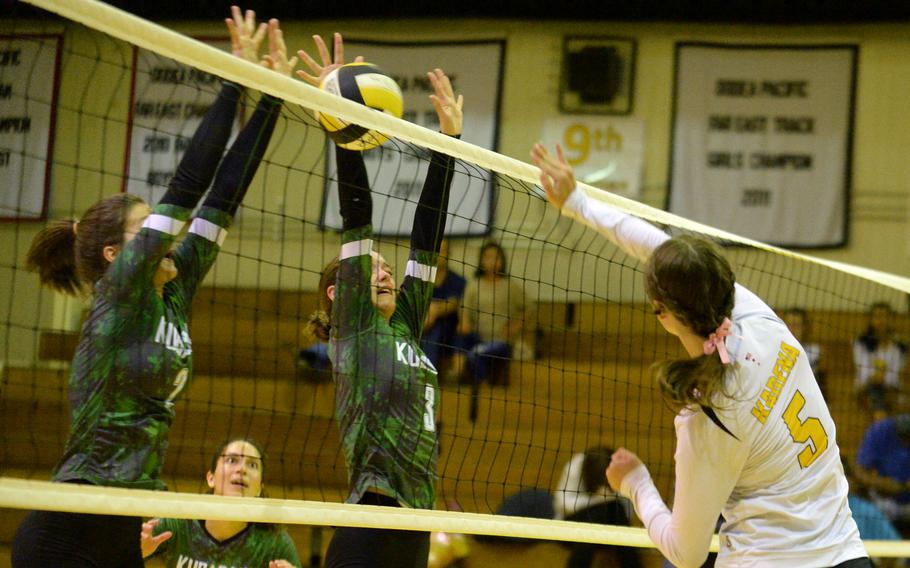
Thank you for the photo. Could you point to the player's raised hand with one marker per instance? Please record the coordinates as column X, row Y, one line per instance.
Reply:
column 280, row 564
column 622, row 462
column 447, row 105
column 277, row 58
column 148, row 541
column 328, row 63
column 556, row 175
column 246, row 37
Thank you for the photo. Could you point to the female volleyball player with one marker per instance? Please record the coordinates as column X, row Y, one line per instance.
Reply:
column 754, row 435
column 134, row 356
column 385, row 387
column 237, row 469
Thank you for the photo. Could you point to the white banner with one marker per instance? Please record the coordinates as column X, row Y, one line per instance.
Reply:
column 606, row 152
column 396, row 178
column 169, row 101
column 761, row 140
column 29, row 67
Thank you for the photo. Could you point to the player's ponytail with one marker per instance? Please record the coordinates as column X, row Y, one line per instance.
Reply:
column 68, row 254
column 53, row 256
column 688, row 276
column 320, row 325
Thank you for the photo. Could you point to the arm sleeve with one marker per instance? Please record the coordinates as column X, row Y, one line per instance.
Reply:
column 353, row 308
column 356, row 203
column 708, row 463
column 426, row 236
column 634, row 236
column 239, row 166
column 639, row 238
column 197, row 167
column 132, row 271
column 195, row 256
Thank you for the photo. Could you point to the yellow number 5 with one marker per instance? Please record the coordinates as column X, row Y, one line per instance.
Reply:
column 808, row 430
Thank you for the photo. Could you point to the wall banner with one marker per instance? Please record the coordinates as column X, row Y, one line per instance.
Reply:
column 396, row 176
column 29, row 80
column 762, row 138
column 169, row 100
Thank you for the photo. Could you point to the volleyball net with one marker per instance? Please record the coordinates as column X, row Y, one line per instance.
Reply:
column 101, row 102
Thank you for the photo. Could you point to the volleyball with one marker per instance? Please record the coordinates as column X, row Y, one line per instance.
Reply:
column 368, row 85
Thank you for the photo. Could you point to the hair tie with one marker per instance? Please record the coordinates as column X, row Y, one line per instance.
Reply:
column 715, row 341
column 76, row 227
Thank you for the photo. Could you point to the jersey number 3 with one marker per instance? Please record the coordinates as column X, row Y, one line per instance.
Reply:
column 429, row 413
column 802, row 431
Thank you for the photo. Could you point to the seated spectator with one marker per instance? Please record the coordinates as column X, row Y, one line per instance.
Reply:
column 797, row 319
column 879, row 358
column 872, row 523
column 883, row 466
column 582, row 495
column 236, row 469
column 442, row 316
column 492, row 318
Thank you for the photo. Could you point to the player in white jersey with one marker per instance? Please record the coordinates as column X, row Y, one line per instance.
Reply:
column 755, row 440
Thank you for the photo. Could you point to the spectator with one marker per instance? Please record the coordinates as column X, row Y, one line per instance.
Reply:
column 879, row 358
column 582, row 495
column 492, row 319
column 883, row 466
column 442, row 317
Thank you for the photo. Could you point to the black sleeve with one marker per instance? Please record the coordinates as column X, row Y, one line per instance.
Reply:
column 241, row 162
column 197, row 167
column 430, row 216
column 353, row 189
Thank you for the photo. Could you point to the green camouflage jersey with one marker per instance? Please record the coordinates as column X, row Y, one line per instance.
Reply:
column 135, row 356
column 192, row 546
column 385, row 387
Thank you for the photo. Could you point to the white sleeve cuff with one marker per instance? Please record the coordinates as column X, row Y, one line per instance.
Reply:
column 575, row 203
column 633, row 480
column 163, row 224
column 356, row 248
column 208, row 230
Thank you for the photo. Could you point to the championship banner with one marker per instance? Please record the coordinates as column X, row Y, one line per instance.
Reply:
column 762, row 140
column 396, row 178
column 169, row 100
column 29, row 68
column 606, row 152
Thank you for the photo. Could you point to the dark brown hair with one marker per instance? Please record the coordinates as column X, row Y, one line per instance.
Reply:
column 594, row 468
column 503, row 269
column 67, row 257
column 689, row 277
column 320, row 322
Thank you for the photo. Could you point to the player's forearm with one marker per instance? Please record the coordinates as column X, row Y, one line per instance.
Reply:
column 430, row 216
column 353, row 189
column 682, row 549
column 239, row 166
column 635, row 236
column 197, row 167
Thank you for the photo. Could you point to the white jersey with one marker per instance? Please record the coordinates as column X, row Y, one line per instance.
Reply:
column 779, row 482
